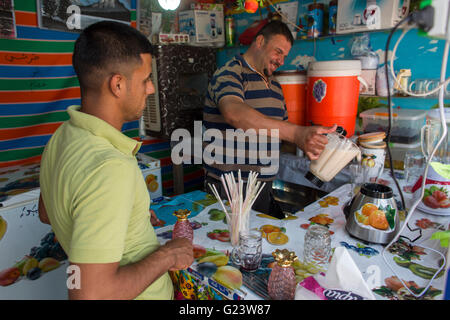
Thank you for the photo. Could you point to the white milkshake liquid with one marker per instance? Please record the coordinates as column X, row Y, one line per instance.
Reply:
column 337, row 154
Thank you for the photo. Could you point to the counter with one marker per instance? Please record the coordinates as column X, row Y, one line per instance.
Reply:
column 378, row 273
column 25, row 234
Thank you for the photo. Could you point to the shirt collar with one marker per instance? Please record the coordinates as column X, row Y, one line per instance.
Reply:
column 241, row 59
column 244, row 63
column 103, row 129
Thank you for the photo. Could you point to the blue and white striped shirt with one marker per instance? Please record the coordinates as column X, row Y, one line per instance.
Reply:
column 238, row 79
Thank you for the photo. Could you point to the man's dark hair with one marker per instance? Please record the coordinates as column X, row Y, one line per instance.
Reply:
column 104, row 48
column 276, row 27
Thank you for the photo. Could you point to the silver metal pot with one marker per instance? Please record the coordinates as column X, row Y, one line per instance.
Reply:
column 372, row 215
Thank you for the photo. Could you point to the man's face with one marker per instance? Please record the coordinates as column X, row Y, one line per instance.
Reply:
column 139, row 87
column 275, row 50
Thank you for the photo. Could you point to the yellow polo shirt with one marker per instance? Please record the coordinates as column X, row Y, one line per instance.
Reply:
column 96, row 197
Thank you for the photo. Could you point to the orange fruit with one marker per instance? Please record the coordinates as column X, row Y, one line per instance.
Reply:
column 331, row 200
column 322, row 219
column 268, row 228
column 377, row 219
column 368, row 208
column 323, row 204
column 153, row 186
column 277, row 238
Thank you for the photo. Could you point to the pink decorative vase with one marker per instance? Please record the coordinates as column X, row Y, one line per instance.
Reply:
column 182, row 228
column 282, row 277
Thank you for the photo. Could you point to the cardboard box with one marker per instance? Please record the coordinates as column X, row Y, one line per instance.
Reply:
column 290, row 11
column 166, row 38
column 365, row 15
column 370, row 77
column 151, row 170
column 203, row 26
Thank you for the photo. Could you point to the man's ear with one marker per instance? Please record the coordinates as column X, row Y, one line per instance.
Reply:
column 117, row 85
column 260, row 41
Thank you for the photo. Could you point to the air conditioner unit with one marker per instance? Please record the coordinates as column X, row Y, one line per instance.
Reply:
column 151, row 115
column 181, row 74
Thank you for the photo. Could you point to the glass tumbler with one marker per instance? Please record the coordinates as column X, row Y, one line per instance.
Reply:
column 414, row 162
column 356, row 178
column 248, row 253
column 317, row 247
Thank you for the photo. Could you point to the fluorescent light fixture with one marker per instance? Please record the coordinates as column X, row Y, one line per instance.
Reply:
column 169, row 4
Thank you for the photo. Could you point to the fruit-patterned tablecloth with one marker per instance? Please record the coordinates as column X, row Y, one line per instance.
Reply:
column 410, row 260
column 19, row 184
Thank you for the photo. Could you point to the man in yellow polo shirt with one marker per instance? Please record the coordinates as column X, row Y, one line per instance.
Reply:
column 92, row 191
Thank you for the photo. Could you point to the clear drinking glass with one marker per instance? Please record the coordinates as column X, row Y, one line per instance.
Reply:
column 317, row 247
column 248, row 253
column 356, row 178
column 414, row 164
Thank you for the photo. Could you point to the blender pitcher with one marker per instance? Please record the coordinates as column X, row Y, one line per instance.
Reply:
column 338, row 152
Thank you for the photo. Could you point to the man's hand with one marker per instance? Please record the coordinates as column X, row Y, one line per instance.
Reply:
column 312, row 139
column 182, row 251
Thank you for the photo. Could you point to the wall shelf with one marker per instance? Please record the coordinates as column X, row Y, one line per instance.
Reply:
column 324, row 37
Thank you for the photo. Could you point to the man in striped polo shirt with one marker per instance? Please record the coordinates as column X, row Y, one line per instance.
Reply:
column 245, row 95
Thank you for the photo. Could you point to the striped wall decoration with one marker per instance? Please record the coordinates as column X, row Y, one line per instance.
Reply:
column 38, row 83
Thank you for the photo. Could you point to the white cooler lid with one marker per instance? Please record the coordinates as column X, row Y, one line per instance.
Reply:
column 335, row 68
column 291, row 77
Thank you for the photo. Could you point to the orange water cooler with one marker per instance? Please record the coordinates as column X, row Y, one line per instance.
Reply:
column 293, row 84
column 333, row 92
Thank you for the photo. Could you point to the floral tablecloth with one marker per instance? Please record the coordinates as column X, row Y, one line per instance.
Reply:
column 414, row 262
column 19, row 184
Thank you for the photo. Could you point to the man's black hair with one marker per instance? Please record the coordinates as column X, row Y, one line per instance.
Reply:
column 103, row 48
column 276, row 27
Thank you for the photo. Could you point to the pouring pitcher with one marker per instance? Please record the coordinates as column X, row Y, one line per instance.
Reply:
column 338, row 152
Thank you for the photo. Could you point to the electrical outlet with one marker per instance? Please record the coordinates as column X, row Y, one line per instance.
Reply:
column 441, row 24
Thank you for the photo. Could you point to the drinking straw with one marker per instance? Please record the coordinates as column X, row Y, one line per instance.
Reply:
column 216, row 194
column 238, row 219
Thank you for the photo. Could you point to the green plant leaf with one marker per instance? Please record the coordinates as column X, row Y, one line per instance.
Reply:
column 442, row 236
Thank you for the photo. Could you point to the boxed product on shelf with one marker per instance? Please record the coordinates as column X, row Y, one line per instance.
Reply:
column 364, row 15
column 207, row 6
column 203, row 26
column 166, row 38
column 151, row 170
column 369, row 77
column 406, row 123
